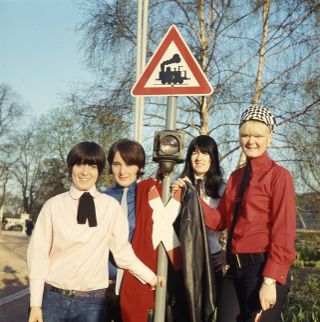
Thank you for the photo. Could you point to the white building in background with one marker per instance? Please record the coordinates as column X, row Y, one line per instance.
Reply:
column 15, row 222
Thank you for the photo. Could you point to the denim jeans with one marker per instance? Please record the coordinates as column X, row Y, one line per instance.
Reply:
column 57, row 307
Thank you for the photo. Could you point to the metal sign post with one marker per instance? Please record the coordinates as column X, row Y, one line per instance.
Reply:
column 142, row 23
column 172, row 71
column 162, row 268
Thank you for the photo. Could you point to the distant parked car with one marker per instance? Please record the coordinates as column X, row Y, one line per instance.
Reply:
column 11, row 227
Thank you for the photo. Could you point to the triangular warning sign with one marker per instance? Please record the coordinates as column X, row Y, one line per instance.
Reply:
column 172, row 71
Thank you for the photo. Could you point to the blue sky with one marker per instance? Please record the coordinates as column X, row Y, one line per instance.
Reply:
column 40, row 56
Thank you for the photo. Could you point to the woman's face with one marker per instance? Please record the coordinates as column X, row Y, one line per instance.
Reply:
column 200, row 163
column 84, row 176
column 123, row 173
column 255, row 138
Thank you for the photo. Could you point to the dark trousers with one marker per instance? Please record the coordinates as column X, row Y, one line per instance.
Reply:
column 176, row 298
column 218, row 277
column 239, row 297
column 113, row 305
column 218, row 283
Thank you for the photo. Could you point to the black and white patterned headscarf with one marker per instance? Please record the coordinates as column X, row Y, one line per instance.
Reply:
column 259, row 113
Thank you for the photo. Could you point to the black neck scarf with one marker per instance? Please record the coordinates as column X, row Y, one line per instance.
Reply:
column 243, row 185
column 87, row 210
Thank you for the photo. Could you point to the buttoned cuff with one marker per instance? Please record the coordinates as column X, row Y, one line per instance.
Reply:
column 276, row 271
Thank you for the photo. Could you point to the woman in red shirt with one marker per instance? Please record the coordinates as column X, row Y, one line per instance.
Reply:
column 262, row 242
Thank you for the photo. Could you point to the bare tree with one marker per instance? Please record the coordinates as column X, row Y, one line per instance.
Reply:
column 13, row 204
column 10, row 109
column 10, row 114
column 100, row 112
column 252, row 52
column 27, row 167
column 305, row 142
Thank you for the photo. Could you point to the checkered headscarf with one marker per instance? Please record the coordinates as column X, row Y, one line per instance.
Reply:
column 259, row 113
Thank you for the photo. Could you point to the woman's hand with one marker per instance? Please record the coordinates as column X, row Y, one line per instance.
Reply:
column 179, row 183
column 268, row 296
column 219, row 260
column 157, row 280
column 35, row 314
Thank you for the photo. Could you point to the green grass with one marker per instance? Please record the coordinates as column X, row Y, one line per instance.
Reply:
column 303, row 303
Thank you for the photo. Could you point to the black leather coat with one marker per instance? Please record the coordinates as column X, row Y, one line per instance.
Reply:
column 197, row 270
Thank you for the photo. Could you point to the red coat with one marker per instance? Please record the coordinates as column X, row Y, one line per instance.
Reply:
column 136, row 298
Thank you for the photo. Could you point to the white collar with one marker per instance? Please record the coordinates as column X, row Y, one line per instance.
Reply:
column 76, row 194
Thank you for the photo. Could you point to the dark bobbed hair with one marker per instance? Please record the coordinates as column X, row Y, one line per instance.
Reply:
column 131, row 152
column 87, row 153
column 213, row 178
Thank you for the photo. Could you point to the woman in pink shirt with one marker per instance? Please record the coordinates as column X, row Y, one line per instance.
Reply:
column 69, row 248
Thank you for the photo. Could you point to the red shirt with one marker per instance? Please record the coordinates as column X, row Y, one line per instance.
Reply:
column 267, row 219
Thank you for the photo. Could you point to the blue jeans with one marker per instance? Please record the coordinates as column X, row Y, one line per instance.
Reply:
column 57, row 307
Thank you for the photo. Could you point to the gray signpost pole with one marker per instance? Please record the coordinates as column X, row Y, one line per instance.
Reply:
column 142, row 24
column 142, row 88
column 162, row 268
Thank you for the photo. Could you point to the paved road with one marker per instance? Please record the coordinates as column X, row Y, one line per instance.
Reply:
column 13, row 281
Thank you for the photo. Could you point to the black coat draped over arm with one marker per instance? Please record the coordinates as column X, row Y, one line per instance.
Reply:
column 197, row 270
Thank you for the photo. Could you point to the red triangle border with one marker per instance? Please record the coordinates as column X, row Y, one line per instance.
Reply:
column 172, row 35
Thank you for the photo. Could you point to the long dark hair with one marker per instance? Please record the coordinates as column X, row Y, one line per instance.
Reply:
column 213, row 178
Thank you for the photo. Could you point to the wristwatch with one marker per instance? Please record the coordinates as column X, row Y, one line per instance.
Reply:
column 269, row 281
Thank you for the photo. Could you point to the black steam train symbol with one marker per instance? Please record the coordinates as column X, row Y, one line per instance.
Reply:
column 168, row 76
